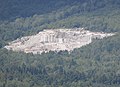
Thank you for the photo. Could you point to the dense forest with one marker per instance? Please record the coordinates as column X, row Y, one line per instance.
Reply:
column 94, row 65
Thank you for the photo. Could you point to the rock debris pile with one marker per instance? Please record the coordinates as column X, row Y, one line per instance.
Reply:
column 55, row 40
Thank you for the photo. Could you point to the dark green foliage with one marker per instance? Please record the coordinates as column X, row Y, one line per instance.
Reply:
column 24, row 8
column 94, row 65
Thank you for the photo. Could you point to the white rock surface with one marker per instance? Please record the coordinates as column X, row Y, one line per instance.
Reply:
column 55, row 40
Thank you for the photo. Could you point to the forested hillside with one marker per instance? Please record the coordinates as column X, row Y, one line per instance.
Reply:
column 94, row 65
column 24, row 8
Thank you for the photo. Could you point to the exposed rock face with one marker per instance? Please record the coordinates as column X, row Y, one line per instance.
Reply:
column 55, row 40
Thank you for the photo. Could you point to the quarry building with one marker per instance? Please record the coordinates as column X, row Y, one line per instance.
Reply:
column 55, row 40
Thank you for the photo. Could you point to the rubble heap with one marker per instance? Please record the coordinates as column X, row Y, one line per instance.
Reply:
column 55, row 40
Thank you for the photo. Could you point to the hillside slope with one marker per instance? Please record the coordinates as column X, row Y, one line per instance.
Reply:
column 94, row 65
column 96, row 16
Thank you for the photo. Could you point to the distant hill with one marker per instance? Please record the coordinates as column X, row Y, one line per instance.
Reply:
column 25, row 8
column 11, row 9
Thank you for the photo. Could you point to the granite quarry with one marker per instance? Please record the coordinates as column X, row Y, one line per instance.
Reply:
column 55, row 40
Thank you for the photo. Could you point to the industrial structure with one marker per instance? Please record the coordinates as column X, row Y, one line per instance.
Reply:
column 55, row 40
